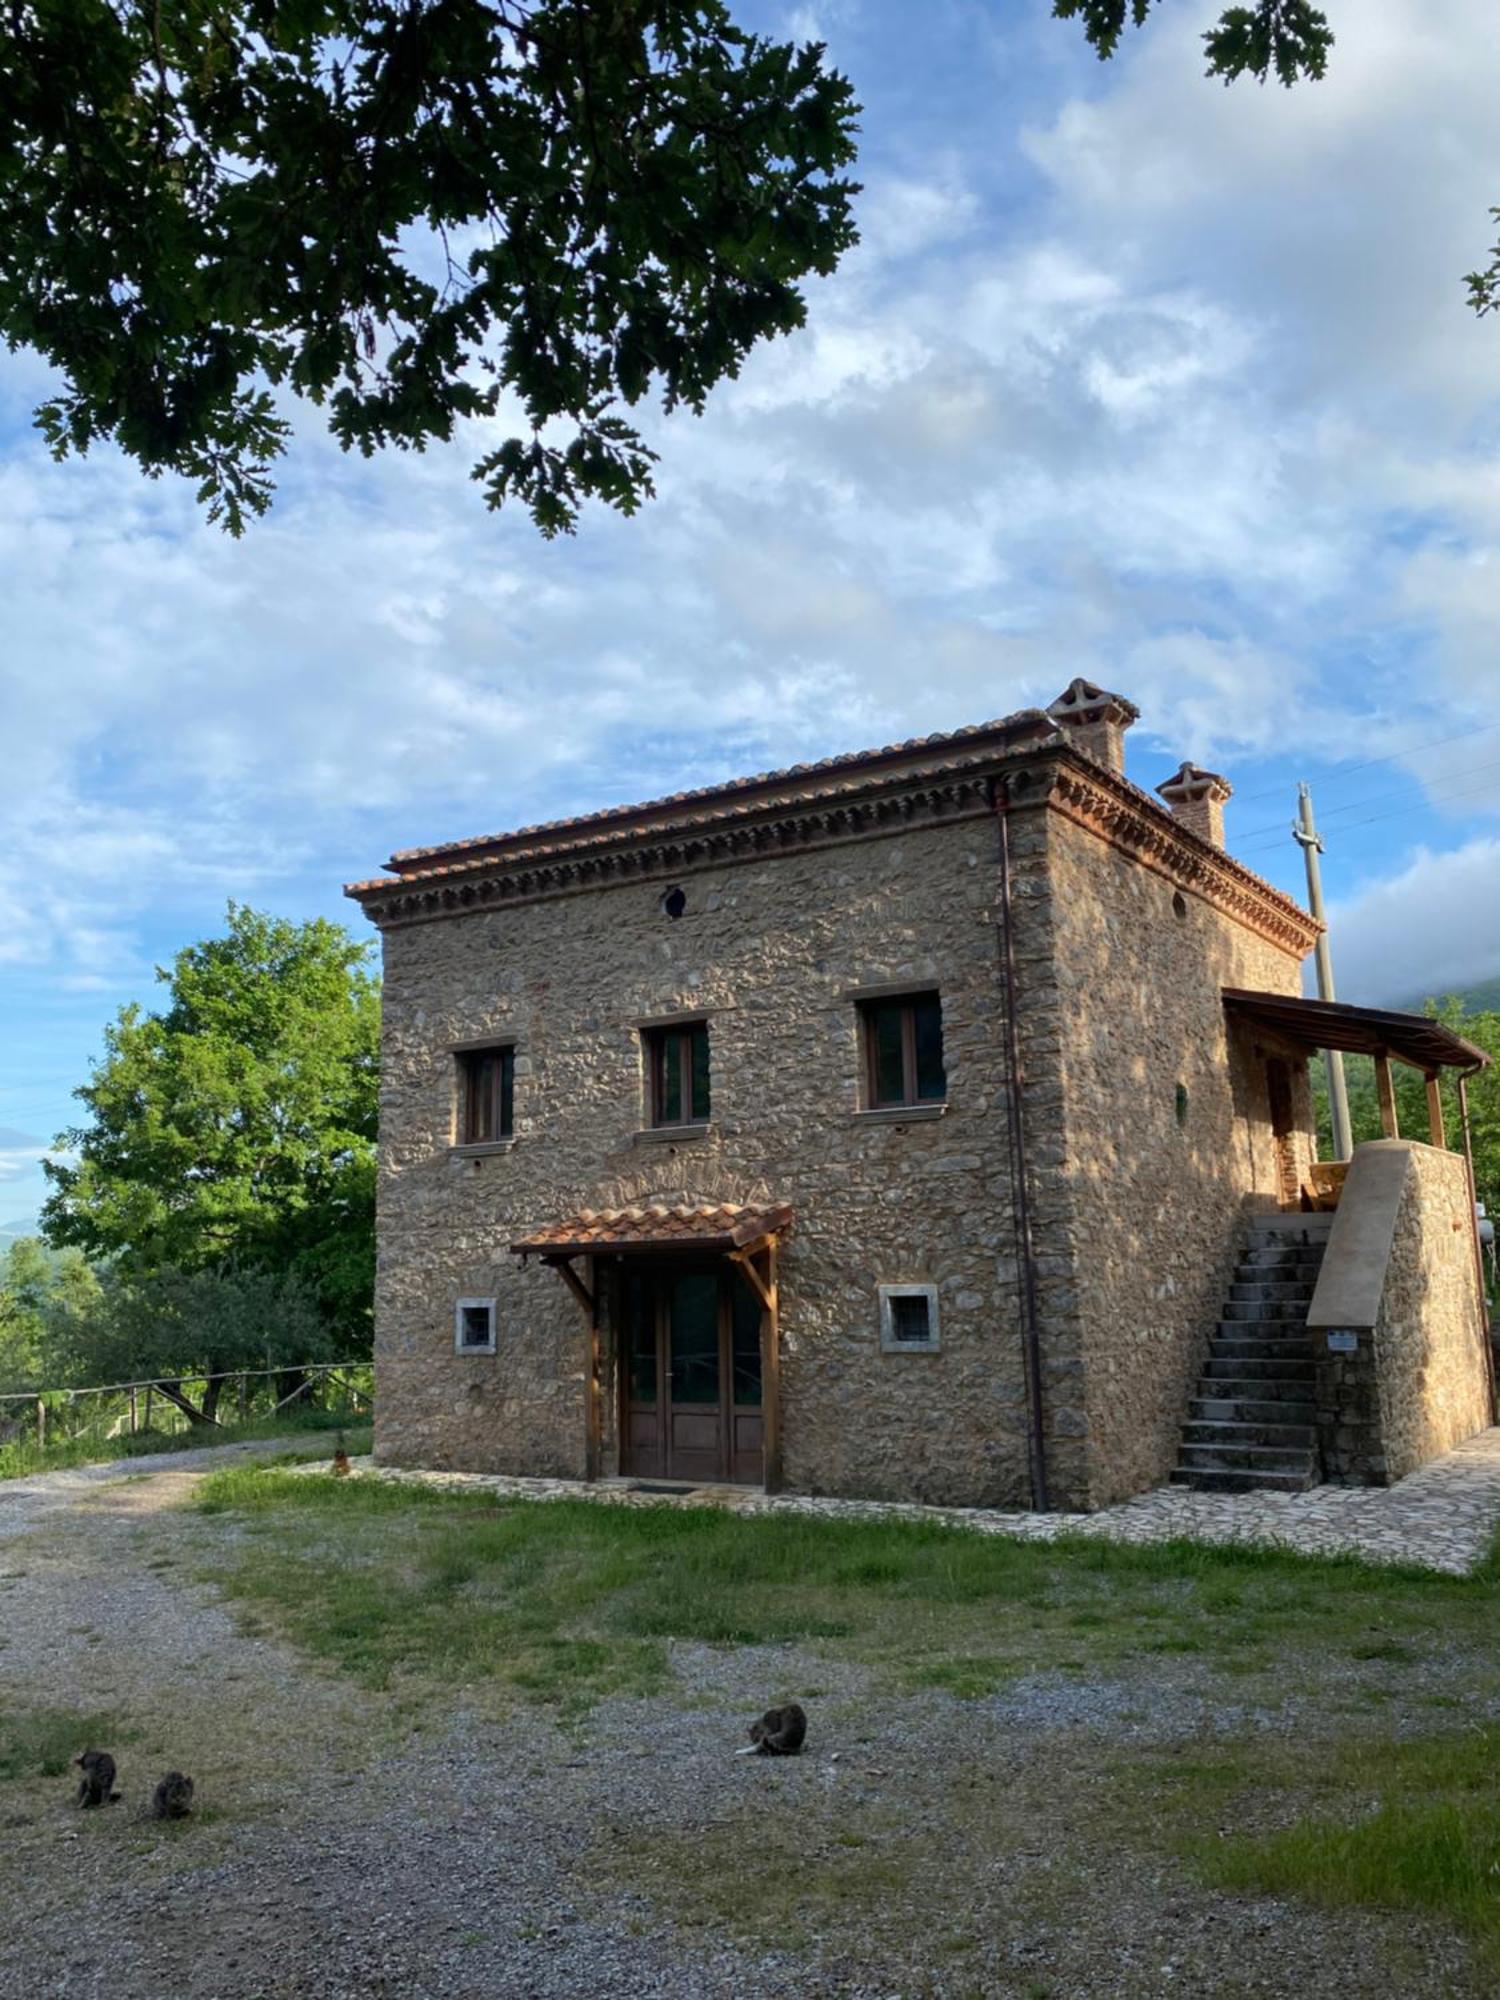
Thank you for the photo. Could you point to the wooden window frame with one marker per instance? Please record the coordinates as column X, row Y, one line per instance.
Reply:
column 503, row 1098
column 907, row 1003
column 658, row 1037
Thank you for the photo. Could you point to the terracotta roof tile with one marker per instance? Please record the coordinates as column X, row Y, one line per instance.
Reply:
column 1025, row 722
column 720, row 1226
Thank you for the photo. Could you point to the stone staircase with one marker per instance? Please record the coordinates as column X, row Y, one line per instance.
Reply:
column 1253, row 1421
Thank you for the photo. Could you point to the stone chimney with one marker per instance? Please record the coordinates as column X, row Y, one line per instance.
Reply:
column 1095, row 721
column 1197, row 801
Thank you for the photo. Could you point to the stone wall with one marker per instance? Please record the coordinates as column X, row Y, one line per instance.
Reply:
column 1399, row 1277
column 1164, row 1142
column 1147, row 1131
column 771, row 952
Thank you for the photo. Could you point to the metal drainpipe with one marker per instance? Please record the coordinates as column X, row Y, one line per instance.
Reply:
column 1462, row 1081
column 1031, row 1342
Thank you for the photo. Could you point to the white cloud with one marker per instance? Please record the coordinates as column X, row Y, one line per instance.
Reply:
column 20, row 1154
column 1432, row 927
column 1205, row 421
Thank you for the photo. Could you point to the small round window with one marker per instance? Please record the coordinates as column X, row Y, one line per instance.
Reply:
column 673, row 903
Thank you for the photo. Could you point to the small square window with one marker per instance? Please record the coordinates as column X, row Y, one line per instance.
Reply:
column 677, row 1073
column 908, row 1319
column 903, row 1043
column 486, row 1095
column 474, row 1326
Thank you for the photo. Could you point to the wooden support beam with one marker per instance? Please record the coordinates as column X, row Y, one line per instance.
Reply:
column 574, row 1283
column 770, row 1371
column 1385, row 1091
column 1435, row 1110
column 752, row 1277
column 593, row 1413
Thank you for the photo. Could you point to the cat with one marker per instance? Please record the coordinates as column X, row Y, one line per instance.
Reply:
column 97, row 1786
column 173, row 1797
column 779, row 1733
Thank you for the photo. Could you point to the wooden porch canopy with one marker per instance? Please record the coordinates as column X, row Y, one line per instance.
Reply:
column 747, row 1233
column 1367, row 1031
column 722, row 1227
column 1379, row 1032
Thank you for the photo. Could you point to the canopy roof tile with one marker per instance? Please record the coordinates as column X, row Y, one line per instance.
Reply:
column 710, row 1226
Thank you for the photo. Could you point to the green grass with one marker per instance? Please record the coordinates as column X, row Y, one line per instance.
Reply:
column 42, row 1743
column 571, row 1600
column 23, row 1458
column 568, row 1602
column 1412, row 1825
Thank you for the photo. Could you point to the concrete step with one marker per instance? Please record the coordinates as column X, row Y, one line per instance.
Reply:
column 1235, row 1431
column 1253, row 1409
column 1252, row 1388
column 1238, row 1479
column 1271, row 1293
column 1247, row 1347
column 1265, row 1311
column 1294, row 1259
column 1278, row 1230
column 1249, row 1457
column 1255, row 1368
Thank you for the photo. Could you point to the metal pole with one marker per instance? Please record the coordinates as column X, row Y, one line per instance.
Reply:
column 1306, row 836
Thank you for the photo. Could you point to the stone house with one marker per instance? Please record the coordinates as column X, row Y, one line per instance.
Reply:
column 902, row 1125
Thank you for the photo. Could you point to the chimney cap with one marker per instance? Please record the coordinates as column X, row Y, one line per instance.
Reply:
column 1084, row 701
column 1190, row 782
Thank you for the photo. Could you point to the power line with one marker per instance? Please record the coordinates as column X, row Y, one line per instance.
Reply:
column 1390, row 757
column 1420, row 790
column 1397, row 812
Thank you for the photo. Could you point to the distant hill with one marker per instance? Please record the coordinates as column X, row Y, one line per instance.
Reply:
column 15, row 1229
column 1482, row 998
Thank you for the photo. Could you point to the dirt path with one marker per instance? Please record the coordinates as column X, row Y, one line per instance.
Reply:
column 409, row 1844
column 27, row 1503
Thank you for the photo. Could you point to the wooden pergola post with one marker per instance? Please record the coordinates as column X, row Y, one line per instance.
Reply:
column 1385, row 1091
column 1435, row 1110
column 766, row 1289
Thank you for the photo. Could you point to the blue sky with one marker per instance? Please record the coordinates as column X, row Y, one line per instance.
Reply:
column 1132, row 376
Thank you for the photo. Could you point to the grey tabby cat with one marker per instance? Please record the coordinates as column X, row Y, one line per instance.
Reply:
column 779, row 1733
column 97, row 1785
column 173, row 1797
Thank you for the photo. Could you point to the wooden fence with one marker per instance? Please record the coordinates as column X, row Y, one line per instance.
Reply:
column 170, row 1404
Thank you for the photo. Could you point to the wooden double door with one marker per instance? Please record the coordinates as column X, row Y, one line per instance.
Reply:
column 690, row 1374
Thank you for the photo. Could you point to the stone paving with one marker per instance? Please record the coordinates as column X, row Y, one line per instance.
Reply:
column 1442, row 1517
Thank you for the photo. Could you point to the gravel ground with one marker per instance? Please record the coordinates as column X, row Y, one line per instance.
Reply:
column 358, row 1844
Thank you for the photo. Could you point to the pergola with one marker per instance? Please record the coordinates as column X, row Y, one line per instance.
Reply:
column 1423, row 1044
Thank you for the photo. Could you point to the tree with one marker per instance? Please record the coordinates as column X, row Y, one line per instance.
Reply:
column 35, row 1284
column 414, row 212
column 235, row 1129
column 1287, row 39
column 175, row 1324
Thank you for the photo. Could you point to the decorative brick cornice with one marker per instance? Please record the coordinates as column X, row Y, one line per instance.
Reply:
column 1048, row 774
column 959, row 789
column 1116, row 811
